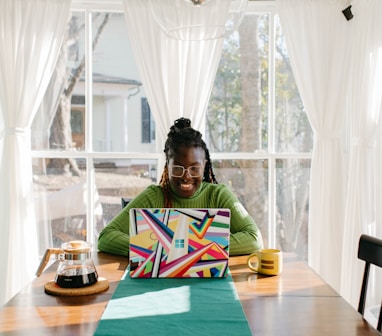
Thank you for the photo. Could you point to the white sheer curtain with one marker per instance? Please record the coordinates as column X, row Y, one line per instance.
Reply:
column 316, row 38
column 30, row 38
column 338, row 69
column 178, row 76
column 363, row 196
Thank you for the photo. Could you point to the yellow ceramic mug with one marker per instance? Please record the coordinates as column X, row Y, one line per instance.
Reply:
column 268, row 261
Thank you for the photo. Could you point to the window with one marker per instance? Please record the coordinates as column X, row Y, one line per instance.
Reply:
column 84, row 159
column 96, row 143
column 148, row 125
column 255, row 111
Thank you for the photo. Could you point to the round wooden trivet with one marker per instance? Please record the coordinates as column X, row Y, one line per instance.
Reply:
column 52, row 288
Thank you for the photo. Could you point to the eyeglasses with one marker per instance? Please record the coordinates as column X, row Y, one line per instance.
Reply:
column 193, row 171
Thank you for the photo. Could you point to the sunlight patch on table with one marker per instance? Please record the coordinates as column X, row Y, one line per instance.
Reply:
column 164, row 302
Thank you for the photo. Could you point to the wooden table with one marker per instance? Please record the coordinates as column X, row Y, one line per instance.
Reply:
column 297, row 302
column 32, row 312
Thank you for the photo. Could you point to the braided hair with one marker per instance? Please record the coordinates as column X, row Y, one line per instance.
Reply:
column 183, row 135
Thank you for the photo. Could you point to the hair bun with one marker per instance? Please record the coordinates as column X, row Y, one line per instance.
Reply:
column 182, row 123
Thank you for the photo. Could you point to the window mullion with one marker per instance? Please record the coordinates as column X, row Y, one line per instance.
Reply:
column 271, row 137
column 90, row 179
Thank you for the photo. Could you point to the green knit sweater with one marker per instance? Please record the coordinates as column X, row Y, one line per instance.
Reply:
column 245, row 236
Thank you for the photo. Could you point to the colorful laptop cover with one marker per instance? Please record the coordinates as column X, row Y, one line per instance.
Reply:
column 177, row 243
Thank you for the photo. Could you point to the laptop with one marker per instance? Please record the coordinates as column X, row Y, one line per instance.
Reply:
column 179, row 243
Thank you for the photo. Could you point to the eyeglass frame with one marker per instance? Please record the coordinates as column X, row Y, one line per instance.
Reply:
column 186, row 169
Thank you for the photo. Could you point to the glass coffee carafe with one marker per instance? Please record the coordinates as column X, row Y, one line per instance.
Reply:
column 76, row 267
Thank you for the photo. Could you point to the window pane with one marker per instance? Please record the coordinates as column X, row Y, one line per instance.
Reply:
column 51, row 128
column 117, row 90
column 293, row 132
column 238, row 107
column 292, row 189
column 249, row 181
column 60, row 201
column 116, row 178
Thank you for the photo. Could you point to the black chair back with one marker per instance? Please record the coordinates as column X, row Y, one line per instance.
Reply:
column 369, row 250
column 125, row 201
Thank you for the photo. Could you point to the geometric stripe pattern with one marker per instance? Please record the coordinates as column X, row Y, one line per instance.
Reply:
column 167, row 243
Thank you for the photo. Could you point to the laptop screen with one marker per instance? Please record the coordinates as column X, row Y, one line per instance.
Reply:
column 179, row 243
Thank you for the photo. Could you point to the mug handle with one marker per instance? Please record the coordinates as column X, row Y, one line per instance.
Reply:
column 252, row 267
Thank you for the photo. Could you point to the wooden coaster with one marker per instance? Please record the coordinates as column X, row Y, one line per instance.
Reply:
column 53, row 289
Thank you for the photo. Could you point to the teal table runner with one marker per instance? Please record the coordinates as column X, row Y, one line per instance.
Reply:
column 174, row 307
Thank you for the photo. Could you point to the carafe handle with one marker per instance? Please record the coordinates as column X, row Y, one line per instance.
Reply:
column 45, row 259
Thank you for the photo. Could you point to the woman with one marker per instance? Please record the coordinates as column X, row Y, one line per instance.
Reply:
column 187, row 181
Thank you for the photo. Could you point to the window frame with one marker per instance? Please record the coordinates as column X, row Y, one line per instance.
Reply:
column 89, row 6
